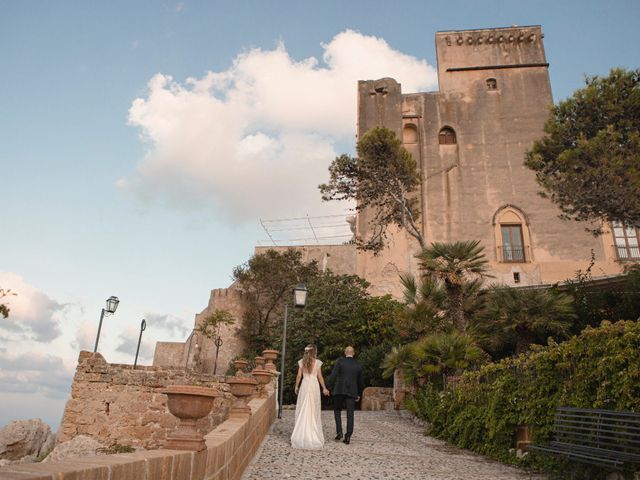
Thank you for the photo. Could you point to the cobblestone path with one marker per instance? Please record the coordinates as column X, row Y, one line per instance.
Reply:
column 384, row 445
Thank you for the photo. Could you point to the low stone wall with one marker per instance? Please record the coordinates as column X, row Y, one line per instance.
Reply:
column 114, row 403
column 230, row 448
column 377, row 398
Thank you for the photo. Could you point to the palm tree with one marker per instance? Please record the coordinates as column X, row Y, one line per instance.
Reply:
column 528, row 314
column 433, row 356
column 425, row 308
column 454, row 264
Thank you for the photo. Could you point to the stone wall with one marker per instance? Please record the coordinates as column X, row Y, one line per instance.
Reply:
column 114, row 403
column 377, row 398
column 230, row 448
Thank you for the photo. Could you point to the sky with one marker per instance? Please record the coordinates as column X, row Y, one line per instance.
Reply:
column 141, row 143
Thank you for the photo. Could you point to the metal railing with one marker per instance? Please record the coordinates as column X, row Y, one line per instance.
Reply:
column 512, row 254
column 628, row 253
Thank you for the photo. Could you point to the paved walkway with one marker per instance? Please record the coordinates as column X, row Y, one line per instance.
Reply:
column 384, row 446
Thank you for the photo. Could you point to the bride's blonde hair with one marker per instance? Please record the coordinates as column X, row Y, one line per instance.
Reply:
column 308, row 357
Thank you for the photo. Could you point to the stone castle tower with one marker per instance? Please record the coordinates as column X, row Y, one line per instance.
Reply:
column 469, row 140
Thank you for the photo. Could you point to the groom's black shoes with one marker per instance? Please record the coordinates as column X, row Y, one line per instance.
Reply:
column 338, row 437
column 347, row 440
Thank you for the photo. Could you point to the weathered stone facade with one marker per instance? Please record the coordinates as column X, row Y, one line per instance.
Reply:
column 469, row 140
column 114, row 403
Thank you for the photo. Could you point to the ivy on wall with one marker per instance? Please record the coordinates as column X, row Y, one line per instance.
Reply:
column 600, row 368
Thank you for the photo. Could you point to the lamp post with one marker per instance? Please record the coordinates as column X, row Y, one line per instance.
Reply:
column 193, row 333
column 112, row 306
column 143, row 327
column 218, row 343
column 299, row 300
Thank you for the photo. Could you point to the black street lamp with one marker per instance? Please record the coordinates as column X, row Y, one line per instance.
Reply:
column 299, row 301
column 112, row 306
column 143, row 327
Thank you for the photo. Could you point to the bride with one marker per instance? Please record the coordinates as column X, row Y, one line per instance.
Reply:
column 307, row 432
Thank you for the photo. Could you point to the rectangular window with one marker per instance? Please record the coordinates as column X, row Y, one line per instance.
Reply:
column 512, row 243
column 626, row 240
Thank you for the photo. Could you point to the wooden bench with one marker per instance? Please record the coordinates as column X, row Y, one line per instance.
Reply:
column 598, row 437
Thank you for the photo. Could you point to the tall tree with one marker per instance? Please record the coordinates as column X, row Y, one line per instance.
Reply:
column 589, row 158
column 266, row 282
column 382, row 179
column 456, row 265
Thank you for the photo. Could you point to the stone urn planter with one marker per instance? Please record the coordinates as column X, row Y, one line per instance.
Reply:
column 270, row 356
column 242, row 388
column 189, row 403
column 259, row 362
column 263, row 377
column 240, row 364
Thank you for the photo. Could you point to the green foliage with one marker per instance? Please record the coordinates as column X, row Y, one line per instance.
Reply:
column 115, row 449
column 598, row 369
column 613, row 303
column 382, row 179
column 266, row 282
column 425, row 309
column 338, row 312
column 455, row 265
column 433, row 356
column 588, row 162
column 522, row 316
column 210, row 326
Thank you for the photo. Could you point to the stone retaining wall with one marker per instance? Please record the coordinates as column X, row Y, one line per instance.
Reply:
column 230, row 448
column 377, row 398
column 114, row 403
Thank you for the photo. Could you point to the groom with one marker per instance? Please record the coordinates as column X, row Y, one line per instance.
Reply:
column 346, row 379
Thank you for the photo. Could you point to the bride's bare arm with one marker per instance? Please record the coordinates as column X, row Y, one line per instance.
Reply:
column 321, row 380
column 298, row 378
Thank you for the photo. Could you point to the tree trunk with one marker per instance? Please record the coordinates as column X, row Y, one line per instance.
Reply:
column 524, row 339
column 456, row 310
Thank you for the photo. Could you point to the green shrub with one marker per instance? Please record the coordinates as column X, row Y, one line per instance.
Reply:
column 598, row 369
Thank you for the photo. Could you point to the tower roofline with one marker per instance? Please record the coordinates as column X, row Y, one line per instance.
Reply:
column 489, row 29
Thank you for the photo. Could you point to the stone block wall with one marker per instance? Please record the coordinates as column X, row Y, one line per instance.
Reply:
column 377, row 398
column 114, row 403
column 230, row 448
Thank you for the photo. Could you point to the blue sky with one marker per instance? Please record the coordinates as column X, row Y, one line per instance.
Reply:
column 140, row 143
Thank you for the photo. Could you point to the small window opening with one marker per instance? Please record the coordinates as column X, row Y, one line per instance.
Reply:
column 492, row 84
column 516, row 277
column 447, row 136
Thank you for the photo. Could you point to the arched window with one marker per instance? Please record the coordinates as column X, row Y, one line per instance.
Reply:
column 410, row 134
column 512, row 235
column 492, row 84
column 447, row 136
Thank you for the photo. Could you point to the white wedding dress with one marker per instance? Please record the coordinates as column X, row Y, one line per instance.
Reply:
column 307, row 432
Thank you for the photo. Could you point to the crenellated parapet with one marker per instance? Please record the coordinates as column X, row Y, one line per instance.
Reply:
column 499, row 36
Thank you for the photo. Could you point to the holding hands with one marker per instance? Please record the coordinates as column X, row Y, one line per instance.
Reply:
column 325, row 391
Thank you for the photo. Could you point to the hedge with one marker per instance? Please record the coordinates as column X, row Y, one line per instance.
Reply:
column 600, row 368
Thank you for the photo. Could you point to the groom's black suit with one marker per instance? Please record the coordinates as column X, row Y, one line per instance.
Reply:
column 347, row 386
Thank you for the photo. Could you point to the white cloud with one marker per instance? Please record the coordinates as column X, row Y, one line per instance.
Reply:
column 35, row 372
column 85, row 336
column 255, row 140
column 173, row 325
column 32, row 312
column 128, row 342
